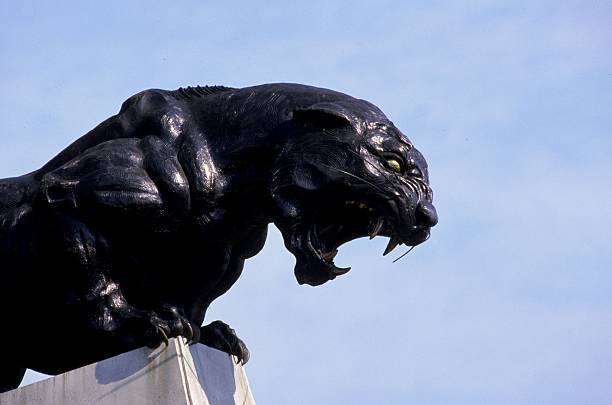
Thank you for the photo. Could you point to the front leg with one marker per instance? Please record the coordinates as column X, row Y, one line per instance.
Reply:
column 122, row 184
column 220, row 336
column 92, row 293
column 122, row 188
column 136, row 327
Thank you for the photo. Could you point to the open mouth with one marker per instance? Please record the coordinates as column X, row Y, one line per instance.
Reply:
column 315, row 239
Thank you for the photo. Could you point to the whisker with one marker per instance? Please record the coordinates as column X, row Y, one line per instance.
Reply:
column 404, row 254
column 354, row 176
column 385, row 174
column 420, row 188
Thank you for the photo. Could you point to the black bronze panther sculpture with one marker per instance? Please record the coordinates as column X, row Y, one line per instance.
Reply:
column 126, row 237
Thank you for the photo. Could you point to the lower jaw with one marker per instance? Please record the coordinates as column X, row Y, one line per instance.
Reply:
column 312, row 276
column 311, row 269
column 417, row 238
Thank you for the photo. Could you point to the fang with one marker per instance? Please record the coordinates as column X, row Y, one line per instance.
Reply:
column 393, row 242
column 329, row 255
column 376, row 227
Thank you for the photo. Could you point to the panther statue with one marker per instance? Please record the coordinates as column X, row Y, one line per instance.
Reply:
column 126, row 237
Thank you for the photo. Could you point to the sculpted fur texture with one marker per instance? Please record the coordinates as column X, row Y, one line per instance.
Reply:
column 126, row 237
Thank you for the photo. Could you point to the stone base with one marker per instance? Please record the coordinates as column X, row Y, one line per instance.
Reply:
column 180, row 374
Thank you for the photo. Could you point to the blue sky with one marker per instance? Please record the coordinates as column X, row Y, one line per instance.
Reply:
column 511, row 299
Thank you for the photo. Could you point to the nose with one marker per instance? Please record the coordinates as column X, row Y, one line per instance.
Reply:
column 426, row 215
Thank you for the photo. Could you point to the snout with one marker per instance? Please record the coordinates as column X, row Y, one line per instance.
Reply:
column 425, row 215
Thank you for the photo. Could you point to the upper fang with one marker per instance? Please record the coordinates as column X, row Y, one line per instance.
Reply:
column 393, row 242
column 376, row 227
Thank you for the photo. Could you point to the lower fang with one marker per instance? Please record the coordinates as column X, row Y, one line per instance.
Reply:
column 329, row 255
column 338, row 271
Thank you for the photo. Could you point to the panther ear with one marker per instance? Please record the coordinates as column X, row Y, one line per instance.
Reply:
column 325, row 115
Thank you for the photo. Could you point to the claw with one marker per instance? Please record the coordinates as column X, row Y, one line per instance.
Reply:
column 164, row 336
column 221, row 337
column 189, row 330
column 245, row 353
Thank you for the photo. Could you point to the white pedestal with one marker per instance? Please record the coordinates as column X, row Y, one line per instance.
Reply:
column 180, row 374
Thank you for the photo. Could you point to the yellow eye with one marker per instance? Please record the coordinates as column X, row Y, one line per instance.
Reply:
column 394, row 164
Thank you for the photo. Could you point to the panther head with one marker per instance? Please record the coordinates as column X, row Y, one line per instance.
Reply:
column 347, row 172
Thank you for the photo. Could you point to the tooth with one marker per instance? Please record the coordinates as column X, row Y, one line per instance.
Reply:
column 329, row 255
column 393, row 242
column 338, row 271
column 376, row 227
column 361, row 205
column 371, row 209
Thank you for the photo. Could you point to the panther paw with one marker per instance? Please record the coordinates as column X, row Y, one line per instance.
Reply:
column 220, row 336
column 166, row 323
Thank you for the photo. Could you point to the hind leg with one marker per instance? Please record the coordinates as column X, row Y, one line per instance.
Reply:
column 10, row 376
